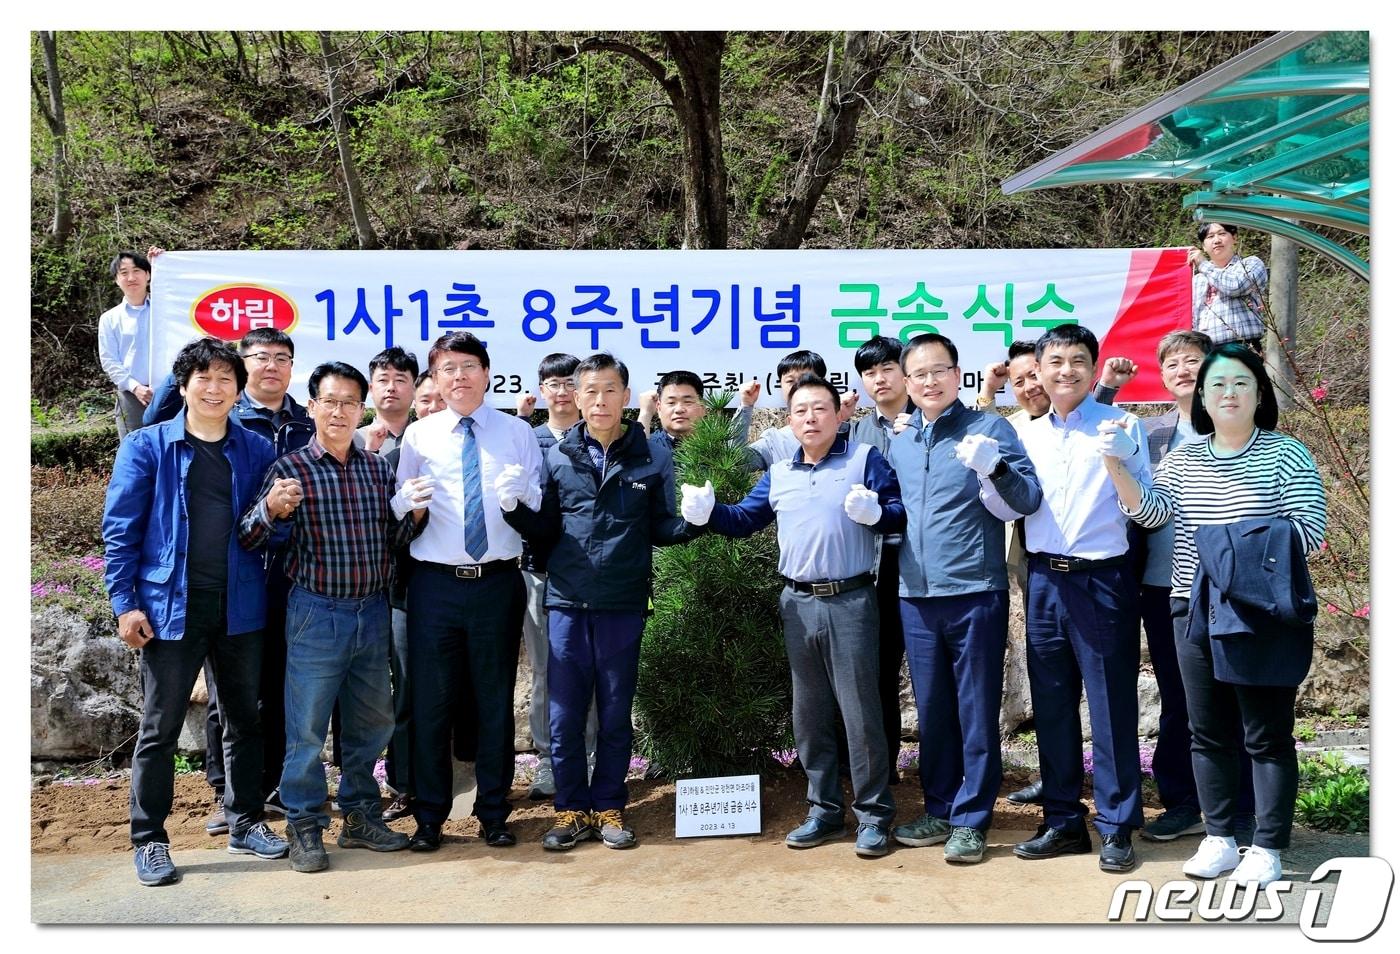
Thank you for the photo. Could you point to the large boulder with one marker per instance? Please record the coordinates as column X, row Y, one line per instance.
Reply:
column 84, row 691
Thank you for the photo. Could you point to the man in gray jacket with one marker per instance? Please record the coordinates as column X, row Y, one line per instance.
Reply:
column 953, row 593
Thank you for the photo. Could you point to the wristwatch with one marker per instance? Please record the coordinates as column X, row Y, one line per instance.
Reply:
column 982, row 403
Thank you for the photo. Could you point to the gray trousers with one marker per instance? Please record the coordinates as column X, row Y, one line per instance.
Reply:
column 536, row 633
column 129, row 412
column 833, row 651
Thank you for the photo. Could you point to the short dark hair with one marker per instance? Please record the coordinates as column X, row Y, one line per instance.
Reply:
column 336, row 369
column 878, row 350
column 681, row 379
column 1265, row 412
column 602, row 361
column 1019, row 348
column 1176, row 341
column 1068, row 334
column 810, row 380
column 462, row 342
column 202, row 354
column 418, row 381
column 266, row 336
column 929, row 338
column 396, row 358
column 802, row 361
column 1204, row 227
column 137, row 259
column 557, row 365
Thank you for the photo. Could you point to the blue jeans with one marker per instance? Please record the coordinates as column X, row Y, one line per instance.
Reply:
column 335, row 648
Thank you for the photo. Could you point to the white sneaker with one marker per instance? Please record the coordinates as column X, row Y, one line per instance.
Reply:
column 1257, row 864
column 1215, row 857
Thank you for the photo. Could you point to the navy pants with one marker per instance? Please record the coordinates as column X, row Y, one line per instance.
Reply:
column 463, row 633
column 956, row 647
column 1171, row 761
column 1082, row 634
column 1219, row 712
column 593, row 656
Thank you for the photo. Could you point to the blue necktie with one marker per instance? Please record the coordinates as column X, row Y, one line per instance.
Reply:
column 473, row 516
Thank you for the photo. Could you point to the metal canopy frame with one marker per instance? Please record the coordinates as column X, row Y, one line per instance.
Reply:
column 1277, row 138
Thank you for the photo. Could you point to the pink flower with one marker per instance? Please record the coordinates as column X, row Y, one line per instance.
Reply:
column 1324, row 545
column 1319, row 393
column 1364, row 612
column 1332, row 609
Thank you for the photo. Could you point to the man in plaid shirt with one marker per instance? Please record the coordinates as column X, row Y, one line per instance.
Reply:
column 1227, row 292
column 337, row 504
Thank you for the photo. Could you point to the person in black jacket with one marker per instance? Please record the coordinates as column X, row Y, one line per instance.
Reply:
column 605, row 503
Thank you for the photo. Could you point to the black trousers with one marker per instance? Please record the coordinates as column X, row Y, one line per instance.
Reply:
column 168, row 671
column 272, row 681
column 463, row 633
column 1216, row 711
column 891, row 652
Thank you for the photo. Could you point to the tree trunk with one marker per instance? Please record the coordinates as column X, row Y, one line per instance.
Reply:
column 363, row 230
column 62, row 226
column 1283, row 305
column 698, row 56
column 843, row 97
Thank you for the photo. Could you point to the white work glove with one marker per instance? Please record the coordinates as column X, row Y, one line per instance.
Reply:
column 1115, row 441
column 863, row 505
column 697, row 503
column 414, row 494
column 513, row 487
column 979, row 454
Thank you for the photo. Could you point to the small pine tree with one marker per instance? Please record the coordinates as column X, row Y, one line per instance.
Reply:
column 714, row 694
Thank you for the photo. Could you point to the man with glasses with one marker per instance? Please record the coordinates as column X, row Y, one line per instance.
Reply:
column 466, row 600
column 953, row 594
column 338, row 506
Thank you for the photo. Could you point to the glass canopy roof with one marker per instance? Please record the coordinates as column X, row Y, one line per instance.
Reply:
column 1277, row 139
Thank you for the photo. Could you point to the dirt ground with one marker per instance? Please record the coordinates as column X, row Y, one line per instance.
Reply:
column 90, row 818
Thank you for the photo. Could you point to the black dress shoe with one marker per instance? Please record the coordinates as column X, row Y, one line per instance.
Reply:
column 1117, row 853
column 496, row 833
column 428, row 837
column 1049, row 842
column 1032, row 794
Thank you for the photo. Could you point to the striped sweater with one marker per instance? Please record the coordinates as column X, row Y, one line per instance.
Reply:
column 1274, row 476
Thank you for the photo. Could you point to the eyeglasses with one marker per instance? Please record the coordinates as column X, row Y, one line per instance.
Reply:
column 267, row 357
column 931, row 374
column 452, row 370
column 348, row 407
column 559, row 387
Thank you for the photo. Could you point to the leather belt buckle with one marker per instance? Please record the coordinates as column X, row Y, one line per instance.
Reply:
column 467, row 572
column 1060, row 564
column 824, row 589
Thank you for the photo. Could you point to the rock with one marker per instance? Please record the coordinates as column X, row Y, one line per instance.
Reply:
column 84, row 693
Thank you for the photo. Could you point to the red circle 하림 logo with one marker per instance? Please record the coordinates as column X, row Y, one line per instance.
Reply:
column 231, row 311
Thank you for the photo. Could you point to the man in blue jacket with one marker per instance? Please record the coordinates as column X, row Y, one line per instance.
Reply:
column 605, row 503
column 183, row 591
column 953, row 593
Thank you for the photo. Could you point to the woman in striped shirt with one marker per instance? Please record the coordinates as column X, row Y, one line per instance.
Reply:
column 1244, row 470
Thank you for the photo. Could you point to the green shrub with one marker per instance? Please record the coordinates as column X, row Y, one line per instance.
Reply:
column 90, row 446
column 1333, row 795
column 714, row 696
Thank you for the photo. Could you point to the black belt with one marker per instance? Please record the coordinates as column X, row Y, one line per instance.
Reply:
column 1068, row 564
column 831, row 587
column 474, row 571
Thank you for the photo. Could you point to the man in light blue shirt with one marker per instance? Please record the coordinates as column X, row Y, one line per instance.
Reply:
column 124, row 340
column 1081, row 616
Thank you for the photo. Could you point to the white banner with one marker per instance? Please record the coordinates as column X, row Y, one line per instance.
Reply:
column 729, row 316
